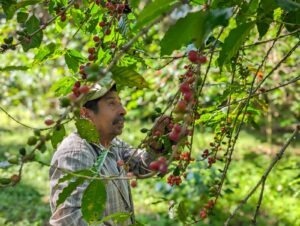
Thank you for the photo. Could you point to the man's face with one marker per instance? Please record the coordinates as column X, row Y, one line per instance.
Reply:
column 109, row 120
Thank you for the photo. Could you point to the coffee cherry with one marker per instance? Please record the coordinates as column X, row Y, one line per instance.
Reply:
column 174, row 136
column 133, row 183
column 181, row 106
column 188, row 96
column 49, row 122
column 177, row 128
column 77, row 84
column 154, row 166
column 108, row 31
column 162, row 159
column 22, row 151
column 63, row 17
column 91, row 57
column 193, row 56
column 202, row 59
column 91, row 50
column 185, row 87
column 203, row 214
column 72, row 97
column 31, row 141
column 96, row 39
column 15, row 179
column 102, row 24
column 84, row 89
column 163, row 169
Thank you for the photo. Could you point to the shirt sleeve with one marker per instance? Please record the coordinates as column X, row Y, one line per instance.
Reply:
column 68, row 213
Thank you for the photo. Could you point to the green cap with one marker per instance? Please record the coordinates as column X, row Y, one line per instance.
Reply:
column 96, row 92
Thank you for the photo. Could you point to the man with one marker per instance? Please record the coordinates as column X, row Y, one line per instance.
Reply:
column 104, row 109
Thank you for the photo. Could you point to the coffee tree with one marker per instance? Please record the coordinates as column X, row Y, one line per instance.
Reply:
column 229, row 44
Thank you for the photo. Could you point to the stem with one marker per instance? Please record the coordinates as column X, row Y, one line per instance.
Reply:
column 265, row 175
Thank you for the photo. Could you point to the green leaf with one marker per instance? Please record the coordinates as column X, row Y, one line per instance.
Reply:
column 87, row 130
column 63, row 86
column 73, row 58
column 14, row 68
column 125, row 76
column 69, row 176
column 45, row 52
column 134, row 3
column 195, row 27
column 93, row 201
column 153, row 10
column 67, row 191
column 117, row 218
column 58, row 135
column 9, row 8
column 182, row 212
column 233, row 42
column 288, row 5
column 292, row 20
column 100, row 160
column 32, row 25
column 22, row 17
column 25, row 3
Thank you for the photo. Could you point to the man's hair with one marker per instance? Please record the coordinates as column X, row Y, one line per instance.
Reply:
column 93, row 104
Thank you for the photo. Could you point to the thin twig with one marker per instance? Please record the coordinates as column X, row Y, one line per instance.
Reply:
column 261, row 195
column 265, row 175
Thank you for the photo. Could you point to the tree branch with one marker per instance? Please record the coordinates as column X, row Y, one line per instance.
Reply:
column 264, row 176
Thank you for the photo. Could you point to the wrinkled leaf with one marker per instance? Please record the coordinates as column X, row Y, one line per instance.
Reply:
column 195, row 27
column 32, row 25
column 125, row 76
column 233, row 42
column 22, row 17
column 73, row 58
column 93, row 201
column 153, row 10
column 58, row 135
column 118, row 217
column 63, row 86
column 67, row 191
column 100, row 160
column 288, row 5
column 182, row 212
column 45, row 53
column 87, row 130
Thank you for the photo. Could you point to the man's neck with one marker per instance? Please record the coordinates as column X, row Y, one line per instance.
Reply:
column 106, row 141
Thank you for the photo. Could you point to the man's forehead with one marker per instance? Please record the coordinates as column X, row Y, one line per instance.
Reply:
column 111, row 95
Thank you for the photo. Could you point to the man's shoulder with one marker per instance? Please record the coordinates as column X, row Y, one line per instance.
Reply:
column 71, row 144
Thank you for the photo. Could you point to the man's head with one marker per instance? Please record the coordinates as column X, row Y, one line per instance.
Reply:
column 106, row 113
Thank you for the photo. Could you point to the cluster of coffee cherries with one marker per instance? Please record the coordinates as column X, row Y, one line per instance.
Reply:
column 196, row 58
column 8, row 44
column 160, row 165
column 114, row 7
column 61, row 13
column 77, row 90
column 207, row 207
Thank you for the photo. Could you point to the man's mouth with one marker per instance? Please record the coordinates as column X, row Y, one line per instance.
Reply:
column 118, row 121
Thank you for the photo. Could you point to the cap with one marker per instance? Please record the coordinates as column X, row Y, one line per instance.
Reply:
column 96, row 92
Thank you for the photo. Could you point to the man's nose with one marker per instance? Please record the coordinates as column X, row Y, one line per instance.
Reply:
column 122, row 110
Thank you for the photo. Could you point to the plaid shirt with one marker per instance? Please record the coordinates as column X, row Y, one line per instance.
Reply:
column 74, row 154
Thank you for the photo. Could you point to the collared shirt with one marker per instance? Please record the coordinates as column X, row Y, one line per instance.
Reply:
column 75, row 153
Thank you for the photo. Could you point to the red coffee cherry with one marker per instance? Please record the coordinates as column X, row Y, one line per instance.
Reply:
column 193, row 56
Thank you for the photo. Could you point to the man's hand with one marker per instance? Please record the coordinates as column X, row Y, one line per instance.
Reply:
column 160, row 128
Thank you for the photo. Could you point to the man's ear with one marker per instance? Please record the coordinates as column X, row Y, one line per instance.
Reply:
column 85, row 113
